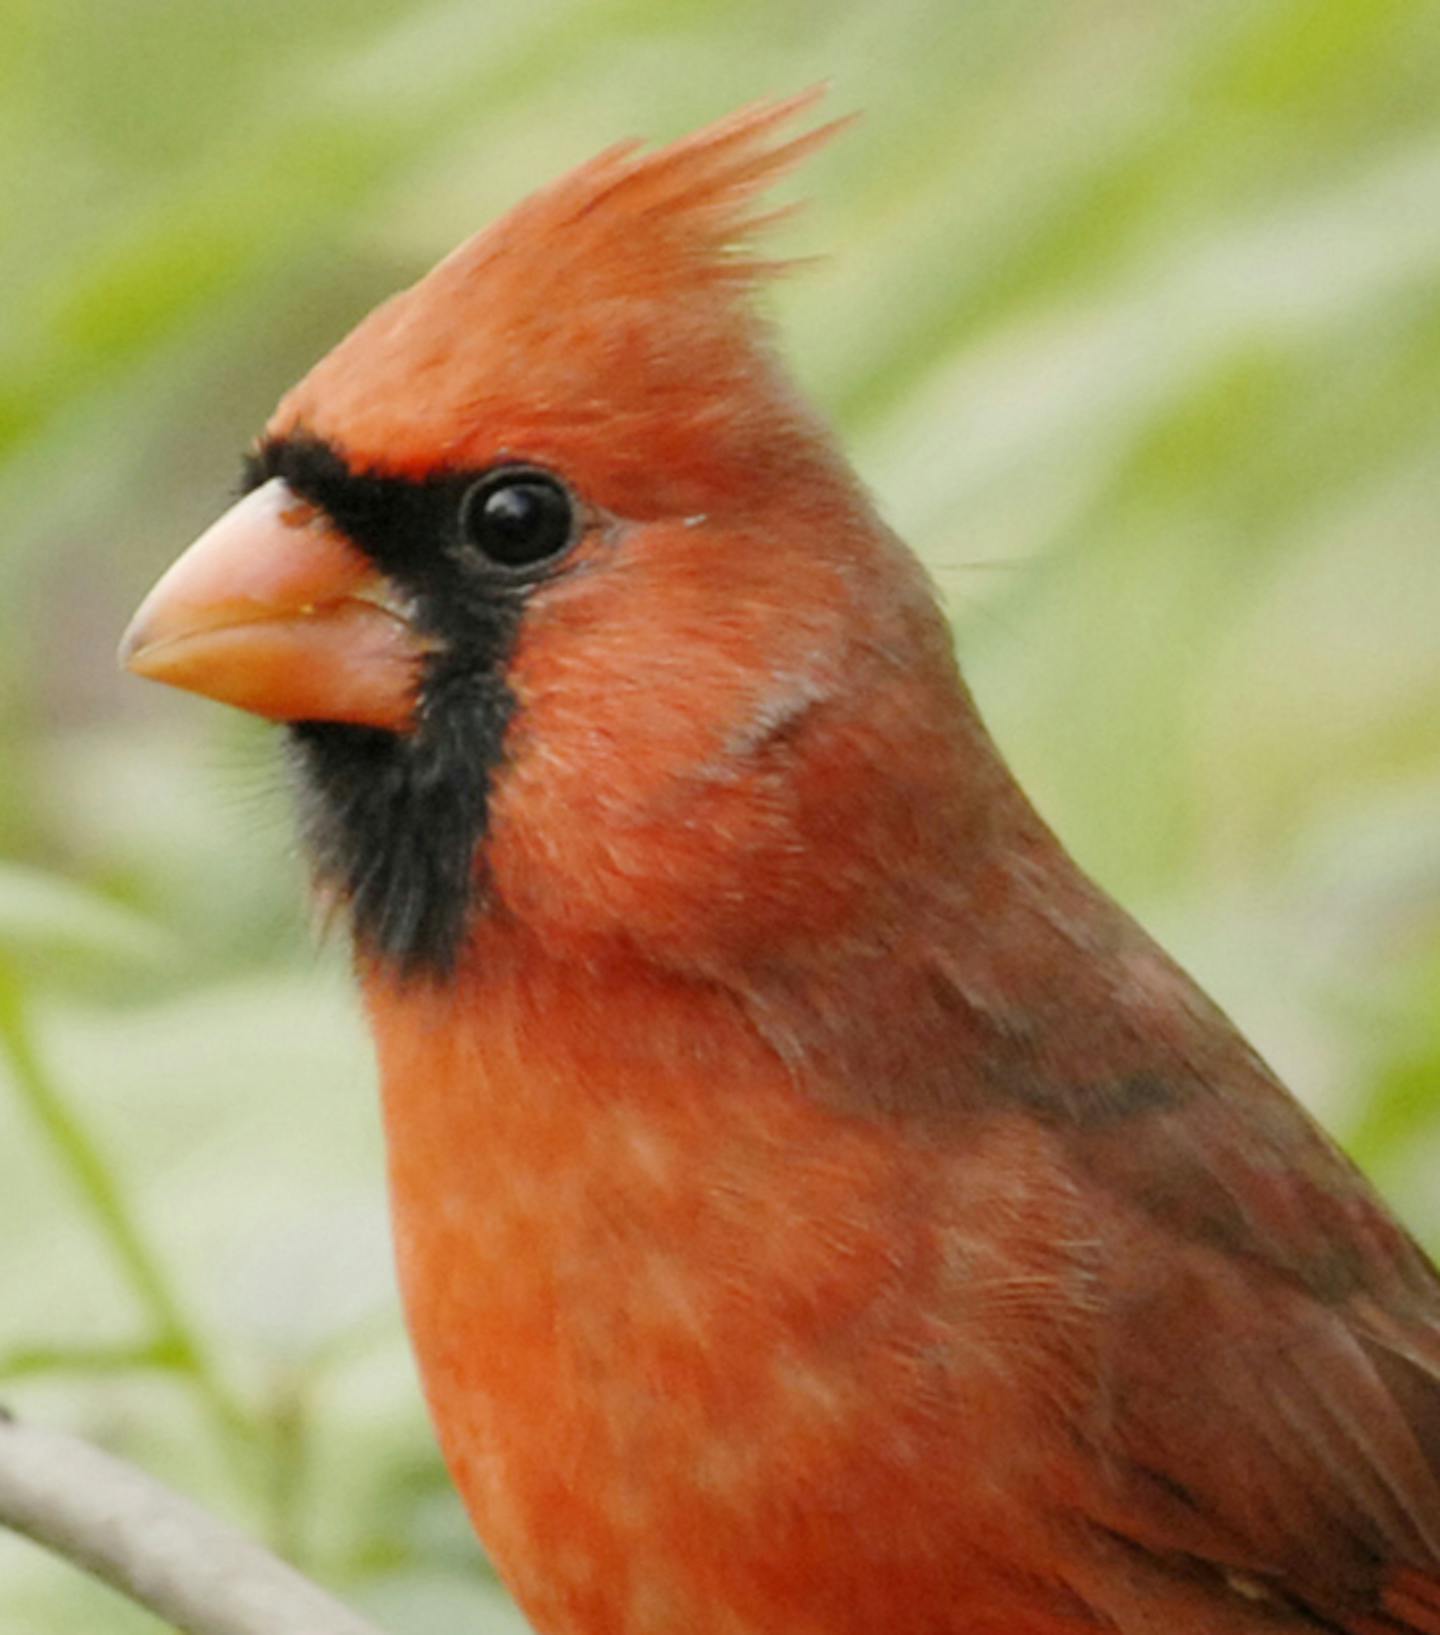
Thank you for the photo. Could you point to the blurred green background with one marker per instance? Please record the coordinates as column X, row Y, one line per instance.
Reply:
column 1131, row 316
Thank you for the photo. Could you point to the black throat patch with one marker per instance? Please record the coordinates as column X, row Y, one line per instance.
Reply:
column 395, row 823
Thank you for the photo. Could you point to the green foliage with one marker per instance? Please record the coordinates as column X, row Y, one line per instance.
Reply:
column 1130, row 317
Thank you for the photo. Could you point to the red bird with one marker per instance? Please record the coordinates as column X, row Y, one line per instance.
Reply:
column 819, row 1208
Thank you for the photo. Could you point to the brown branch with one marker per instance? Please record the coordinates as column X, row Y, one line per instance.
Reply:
column 158, row 1548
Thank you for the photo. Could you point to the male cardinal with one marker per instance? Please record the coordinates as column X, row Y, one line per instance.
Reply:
column 820, row 1210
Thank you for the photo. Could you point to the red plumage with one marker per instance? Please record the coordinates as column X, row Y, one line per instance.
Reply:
column 819, row 1207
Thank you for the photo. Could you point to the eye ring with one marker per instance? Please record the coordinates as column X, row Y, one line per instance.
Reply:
column 519, row 517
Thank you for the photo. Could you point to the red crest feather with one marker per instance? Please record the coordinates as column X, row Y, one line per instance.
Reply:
column 681, row 212
column 607, row 295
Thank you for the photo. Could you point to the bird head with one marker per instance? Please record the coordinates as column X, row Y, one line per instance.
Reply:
column 573, row 611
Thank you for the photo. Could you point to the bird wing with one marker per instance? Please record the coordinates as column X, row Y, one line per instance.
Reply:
column 1270, row 1402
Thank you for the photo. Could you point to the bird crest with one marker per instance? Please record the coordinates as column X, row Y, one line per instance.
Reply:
column 604, row 297
column 675, row 219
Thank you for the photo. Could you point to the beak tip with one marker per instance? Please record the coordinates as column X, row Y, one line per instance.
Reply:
column 129, row 656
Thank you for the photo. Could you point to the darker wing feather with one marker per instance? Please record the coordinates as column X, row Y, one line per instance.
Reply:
column 1271, row 1367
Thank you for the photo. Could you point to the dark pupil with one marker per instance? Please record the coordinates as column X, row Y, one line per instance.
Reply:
column 520, row 521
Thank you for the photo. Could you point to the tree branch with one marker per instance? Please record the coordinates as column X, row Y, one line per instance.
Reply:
column 153, row 1545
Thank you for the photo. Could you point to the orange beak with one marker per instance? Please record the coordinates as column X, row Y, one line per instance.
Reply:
column 275, row 612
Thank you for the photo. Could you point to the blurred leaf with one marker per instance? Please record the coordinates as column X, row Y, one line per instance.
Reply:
column 51, row 928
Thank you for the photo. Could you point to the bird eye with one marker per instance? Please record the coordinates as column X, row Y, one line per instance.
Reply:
column 518, row 516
